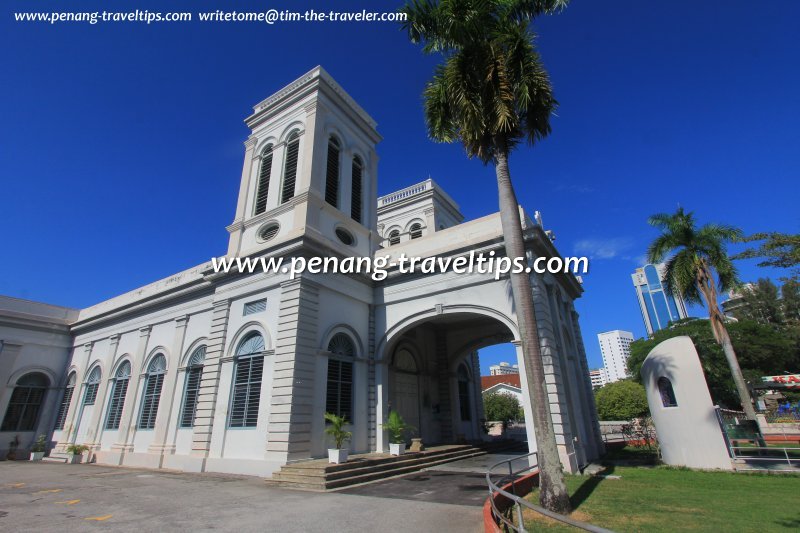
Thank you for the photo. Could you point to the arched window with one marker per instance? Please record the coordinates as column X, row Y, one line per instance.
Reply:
column 332, row 173
column 194, row 374
column 61, row 418
column 463, row 393
column 394, row 237
column 290, row 167
column 262, row 191
column 26, row 403
column 92, row 383
column 666, row 392
column 355, row 190
column 247, row 382
column 416, row 230
column 339, row 395
column 117, row 398
column 152, row 391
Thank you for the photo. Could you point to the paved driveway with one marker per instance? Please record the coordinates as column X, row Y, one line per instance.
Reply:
column 55, row 497
column 461, row 482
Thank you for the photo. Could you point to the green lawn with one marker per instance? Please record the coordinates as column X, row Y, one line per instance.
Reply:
column 669, row 499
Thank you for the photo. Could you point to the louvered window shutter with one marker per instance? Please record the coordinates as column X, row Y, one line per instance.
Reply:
column 290, row 170
column 263, row 180
column 355, row 205
column 332, row 174
column 117, row 403
column 193, row 377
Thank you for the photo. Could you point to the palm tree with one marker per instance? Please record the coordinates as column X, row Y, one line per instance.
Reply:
column 491, row 92
column 690, row 274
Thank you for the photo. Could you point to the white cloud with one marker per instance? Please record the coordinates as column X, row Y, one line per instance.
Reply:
column 603, row 248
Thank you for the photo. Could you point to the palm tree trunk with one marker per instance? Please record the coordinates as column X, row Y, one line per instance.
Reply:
column 553, row 493
column 706, row 283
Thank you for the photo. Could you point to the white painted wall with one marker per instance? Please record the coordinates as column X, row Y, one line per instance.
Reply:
column 689, row 433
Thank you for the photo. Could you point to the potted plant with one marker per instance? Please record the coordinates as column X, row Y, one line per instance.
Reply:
column 396, row 427
column 38, row 448
column 75, row 453
column 336, row 430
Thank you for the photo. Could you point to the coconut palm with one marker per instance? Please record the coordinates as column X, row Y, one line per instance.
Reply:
column 699, row 253
column 491, row 93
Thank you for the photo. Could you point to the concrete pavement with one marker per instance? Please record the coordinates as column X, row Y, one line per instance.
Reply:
column 45, row 497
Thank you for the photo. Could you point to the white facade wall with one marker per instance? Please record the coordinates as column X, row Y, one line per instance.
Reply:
column 439, row 321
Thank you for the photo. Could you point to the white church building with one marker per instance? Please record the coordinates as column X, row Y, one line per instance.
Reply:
column 232, row 372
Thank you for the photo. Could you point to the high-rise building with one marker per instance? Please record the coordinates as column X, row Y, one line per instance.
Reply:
column 615, row 347
column 658, row 307
column 598, row 377
column 503, row 369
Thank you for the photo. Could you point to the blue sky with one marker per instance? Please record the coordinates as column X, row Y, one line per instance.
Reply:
column 121, row 145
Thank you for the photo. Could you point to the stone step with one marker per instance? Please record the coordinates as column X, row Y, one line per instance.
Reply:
column 373, row 466
column 55, row 458
column 323, row 483
column 361, row 460
column 317, row 475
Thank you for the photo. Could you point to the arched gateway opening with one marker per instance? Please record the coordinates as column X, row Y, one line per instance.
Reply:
column 431, row 373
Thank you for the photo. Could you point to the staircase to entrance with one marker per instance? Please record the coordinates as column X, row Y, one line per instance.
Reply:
column 319, row 475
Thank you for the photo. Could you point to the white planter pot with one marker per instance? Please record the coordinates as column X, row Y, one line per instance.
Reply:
column 37, row 456
column 337, row 456
column 74, row 458
column 397, row 449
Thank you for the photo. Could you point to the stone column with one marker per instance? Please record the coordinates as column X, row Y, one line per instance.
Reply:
column 164, row 415
column 127, row 426
column 96, row 431
column 443, row 379
column 381, row 370
column 209, row 383
column 372, row 390
column 291, row 410
column 552, row 373
column 591, row 408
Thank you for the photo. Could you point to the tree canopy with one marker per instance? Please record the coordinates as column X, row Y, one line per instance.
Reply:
column 779, row 250
column 762, row 349
column 621, row 400
column 501, row 407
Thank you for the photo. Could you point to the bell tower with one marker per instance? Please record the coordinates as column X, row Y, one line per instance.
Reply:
column 310, row 171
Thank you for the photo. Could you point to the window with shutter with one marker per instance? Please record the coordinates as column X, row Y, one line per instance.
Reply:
column 394, row 237
column 355, row 191
column 263, row 180
column 332, row 173
column 152, row 392
column 290, row 167
column 249, row 372
column 26, row 403
column 117, row 399
column 339, row 387
column 90, row 394
column 61, row 417
column 194, row 374
column 416, row 231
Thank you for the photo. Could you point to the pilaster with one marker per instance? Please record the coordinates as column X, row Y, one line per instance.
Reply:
column 127, row 424
column 209, row 383
column 294, row 380
column 164, row 415
column 102, row 393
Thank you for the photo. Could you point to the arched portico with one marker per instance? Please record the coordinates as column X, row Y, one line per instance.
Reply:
column 427, row 370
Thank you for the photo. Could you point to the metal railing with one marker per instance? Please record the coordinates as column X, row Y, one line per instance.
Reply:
column 519, row 502
column 767, row 454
